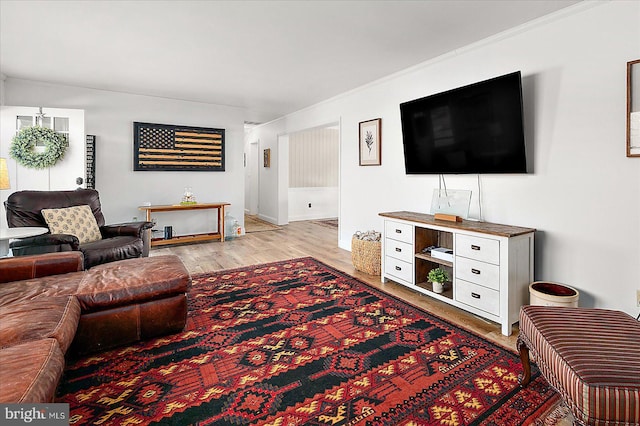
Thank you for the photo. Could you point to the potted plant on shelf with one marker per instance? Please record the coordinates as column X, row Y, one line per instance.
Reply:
column 438, row 277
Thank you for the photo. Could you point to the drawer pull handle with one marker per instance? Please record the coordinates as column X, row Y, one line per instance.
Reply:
column 398, row 231
column 398, row 249
column 475, row 271
column 398, row 268
column 475, row 247
column 475, row 295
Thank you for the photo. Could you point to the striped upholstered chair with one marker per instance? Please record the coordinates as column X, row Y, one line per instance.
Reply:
column 590, row 356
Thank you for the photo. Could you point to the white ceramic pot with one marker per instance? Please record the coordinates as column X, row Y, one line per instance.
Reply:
column 549, row 293
column 438, row 287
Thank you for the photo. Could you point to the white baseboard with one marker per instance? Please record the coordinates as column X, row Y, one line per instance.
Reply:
column 269, row 219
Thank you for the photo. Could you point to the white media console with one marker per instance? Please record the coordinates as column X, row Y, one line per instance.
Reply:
column 490, row 273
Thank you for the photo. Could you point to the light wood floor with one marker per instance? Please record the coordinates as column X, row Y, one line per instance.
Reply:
column 301, row 239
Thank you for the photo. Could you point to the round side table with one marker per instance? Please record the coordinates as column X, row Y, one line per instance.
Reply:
column 13, row 233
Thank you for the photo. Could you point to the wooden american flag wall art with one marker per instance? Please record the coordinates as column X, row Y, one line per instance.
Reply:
column 165, row 147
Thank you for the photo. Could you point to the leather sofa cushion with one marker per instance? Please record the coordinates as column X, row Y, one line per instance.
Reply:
column 31, row 378
column 53, row 317
column 132, row 281
column 111, row 249
column 27, row 267
column 43, row 287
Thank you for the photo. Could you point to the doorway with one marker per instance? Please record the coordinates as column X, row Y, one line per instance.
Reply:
column 61, row 176
column 312, row 165
column 252, row 179
column 67, row 171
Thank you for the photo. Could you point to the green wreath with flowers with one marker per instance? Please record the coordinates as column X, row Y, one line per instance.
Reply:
column 24, row 142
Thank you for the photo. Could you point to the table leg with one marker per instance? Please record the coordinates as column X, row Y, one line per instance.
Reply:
column 526, row 364
column 221, row 222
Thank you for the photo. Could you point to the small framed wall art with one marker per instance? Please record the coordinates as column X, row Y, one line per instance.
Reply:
column 267, row 157
column 633, row 108
column 370, row 142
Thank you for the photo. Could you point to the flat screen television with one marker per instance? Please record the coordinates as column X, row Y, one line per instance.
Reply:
column 472, row 129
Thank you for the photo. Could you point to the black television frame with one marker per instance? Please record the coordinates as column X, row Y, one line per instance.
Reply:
column 426, row 157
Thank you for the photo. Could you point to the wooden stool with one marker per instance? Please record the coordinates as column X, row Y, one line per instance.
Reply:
column 590, row 356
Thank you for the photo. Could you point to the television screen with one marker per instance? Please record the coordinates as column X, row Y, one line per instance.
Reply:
column 472, row 129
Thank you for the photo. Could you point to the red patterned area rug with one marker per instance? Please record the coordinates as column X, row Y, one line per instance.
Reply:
column 557, row 414
column 300, row 343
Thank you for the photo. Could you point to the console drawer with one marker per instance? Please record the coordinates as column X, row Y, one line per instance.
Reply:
column 478, row 296
column 398, row 268
column 483, row 273
column 398, row 231
column 398, row 249
column 478, row 248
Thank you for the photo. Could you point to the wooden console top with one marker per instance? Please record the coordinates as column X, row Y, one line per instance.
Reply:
column 173, row 207
column 467, row 225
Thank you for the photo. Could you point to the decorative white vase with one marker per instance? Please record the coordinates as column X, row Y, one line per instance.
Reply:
column 438, row 287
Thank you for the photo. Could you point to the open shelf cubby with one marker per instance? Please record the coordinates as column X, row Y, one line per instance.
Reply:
column 425, row 237
column 448, row 288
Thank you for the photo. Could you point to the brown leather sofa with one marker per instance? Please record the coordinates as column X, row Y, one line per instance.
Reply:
column 120, row 241
column 50, row 307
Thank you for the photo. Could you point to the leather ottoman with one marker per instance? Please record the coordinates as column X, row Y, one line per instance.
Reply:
column 131, row 300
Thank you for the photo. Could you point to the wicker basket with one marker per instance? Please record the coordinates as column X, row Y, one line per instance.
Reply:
column 365, row 256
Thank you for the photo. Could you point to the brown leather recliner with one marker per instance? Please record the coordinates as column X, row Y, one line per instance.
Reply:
column 120, row 241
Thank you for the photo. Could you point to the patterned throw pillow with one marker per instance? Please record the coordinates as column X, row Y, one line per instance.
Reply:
column 77, row 220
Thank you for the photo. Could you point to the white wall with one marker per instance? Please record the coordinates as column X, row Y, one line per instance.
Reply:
column 313, row 174
column 313, row 158
column 584, row 193
column 307, row 203
column 2, row 79
column 110, row 116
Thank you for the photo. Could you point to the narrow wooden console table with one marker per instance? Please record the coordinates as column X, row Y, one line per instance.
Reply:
column 192, row 238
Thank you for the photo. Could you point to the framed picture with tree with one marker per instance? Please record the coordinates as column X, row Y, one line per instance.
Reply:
column 371, row 142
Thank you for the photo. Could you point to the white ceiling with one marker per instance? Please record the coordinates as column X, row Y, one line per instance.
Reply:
column 271, row 57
